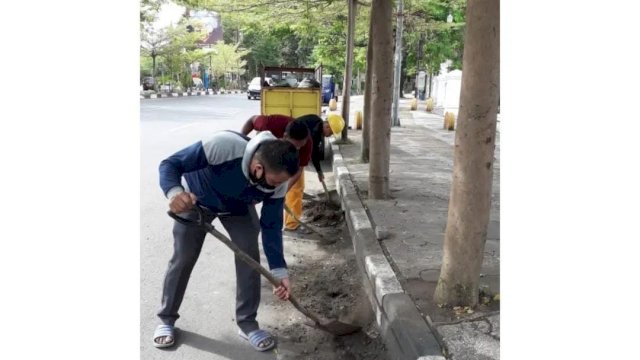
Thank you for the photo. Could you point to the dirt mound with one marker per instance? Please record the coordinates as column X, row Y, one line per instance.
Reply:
column 328, row 283
column 322, row 214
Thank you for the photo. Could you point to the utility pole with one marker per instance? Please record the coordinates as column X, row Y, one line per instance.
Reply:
column 346, row 91
column 395, row 121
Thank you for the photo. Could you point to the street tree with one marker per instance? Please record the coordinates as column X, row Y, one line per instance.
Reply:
column 428, row 40
column 262, row 44
column 307, row 33
column 381, row 81
column 153, row 43
column 182, row 49
column 366, row 111
column 470, row 199
column 227, row 60
column 148, row 11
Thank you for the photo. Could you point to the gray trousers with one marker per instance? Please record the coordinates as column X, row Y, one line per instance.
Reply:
column 187, row 243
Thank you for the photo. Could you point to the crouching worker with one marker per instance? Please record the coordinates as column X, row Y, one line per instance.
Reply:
column 228, row 174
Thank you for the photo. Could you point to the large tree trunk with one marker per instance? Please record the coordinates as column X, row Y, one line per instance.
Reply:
column 366, row 118
column 382, row 85
column 346, row 91
column 470, row 200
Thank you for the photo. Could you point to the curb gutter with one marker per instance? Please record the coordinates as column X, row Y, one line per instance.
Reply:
column 404, row 331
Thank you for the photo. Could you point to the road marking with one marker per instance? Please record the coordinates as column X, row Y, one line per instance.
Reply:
column 184, row 126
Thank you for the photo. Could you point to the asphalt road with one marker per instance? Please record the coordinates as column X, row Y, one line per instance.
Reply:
column 208, row 330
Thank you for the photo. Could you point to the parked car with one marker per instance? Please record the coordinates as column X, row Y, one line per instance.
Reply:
column 253, row 90
column 148, row 83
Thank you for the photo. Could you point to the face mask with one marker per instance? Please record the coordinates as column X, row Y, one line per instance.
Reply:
column 262, row 181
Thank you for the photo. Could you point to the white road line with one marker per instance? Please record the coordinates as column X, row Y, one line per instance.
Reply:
column 184, row 126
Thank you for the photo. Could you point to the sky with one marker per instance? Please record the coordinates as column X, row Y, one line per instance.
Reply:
column 169, row 13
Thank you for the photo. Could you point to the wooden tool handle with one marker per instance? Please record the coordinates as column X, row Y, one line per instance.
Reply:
column 259, row 268
column 326, row 191
column 286, row 208
column 243, row 256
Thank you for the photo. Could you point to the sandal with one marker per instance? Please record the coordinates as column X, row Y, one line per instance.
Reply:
column 257, row 338
column 164, row 330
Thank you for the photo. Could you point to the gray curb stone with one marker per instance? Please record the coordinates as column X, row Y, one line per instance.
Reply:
column 193, row 93
column 404, row 331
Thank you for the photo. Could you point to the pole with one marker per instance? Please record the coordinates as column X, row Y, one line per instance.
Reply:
column 346, row 91
column 395, row 121
column 417, row 68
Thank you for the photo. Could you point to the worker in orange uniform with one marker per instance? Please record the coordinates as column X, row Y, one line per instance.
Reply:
column 319, row 129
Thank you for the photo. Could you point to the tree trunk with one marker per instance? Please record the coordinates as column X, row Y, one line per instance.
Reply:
column 382, row 85
column 346, row 91
column 470, row 200
column 366, row 118
column 153, row 56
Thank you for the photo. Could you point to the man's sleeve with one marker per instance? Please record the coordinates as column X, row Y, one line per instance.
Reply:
column 271, row 226
column 186, row 160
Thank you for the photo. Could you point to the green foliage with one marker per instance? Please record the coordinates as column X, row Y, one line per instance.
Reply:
column 228, row 59
column 149, row 11
column 425, row 25
column 300, row 33
column 146, row 66
column 308, row 33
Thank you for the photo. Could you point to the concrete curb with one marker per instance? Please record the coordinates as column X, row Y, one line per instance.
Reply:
column 405, row 333
column 192, row 93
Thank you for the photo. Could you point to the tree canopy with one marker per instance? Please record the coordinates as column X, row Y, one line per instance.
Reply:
column 307, row 33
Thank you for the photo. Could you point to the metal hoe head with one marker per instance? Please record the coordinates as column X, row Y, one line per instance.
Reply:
column 332, row 196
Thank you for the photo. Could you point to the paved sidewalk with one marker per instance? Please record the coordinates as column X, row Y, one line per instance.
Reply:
column 399, row 242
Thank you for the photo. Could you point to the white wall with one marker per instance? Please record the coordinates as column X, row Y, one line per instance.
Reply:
column 446, row 89
column 452, row 94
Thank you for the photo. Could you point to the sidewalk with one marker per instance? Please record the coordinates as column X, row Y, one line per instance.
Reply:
column 399, row 242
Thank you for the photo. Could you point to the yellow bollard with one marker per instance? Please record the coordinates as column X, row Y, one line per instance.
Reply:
column 429, row 104
column 358, row 120
column 449, row 121
column 332, row 104
column 414, row 104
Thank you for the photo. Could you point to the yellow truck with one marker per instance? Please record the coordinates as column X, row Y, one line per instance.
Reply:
column 291, row 100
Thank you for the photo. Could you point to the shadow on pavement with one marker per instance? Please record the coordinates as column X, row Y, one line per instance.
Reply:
column 219, row 347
